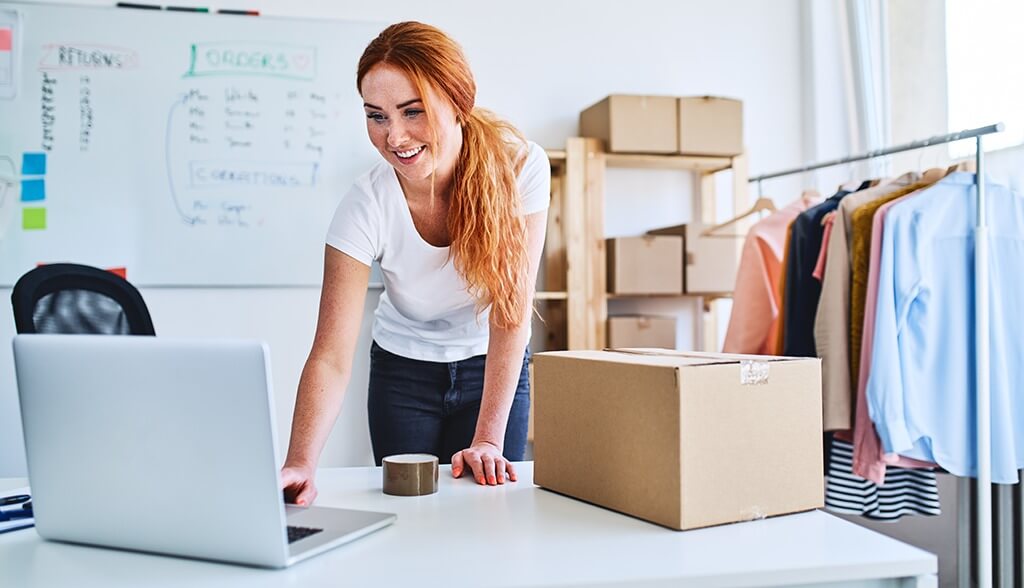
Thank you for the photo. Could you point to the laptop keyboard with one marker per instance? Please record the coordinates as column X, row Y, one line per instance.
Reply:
column 296, row 533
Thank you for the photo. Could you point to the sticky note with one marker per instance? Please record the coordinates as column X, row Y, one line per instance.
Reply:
column 33, row 190
column 33, row 218
column 5, row 39
column 33, row 164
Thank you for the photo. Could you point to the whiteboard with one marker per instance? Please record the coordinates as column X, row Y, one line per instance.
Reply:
column 190, row 149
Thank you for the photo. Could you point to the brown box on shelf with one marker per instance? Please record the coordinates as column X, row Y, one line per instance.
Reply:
column 645, row 265
column 642, row 331
column 633, row 124
column 710, row 125
column 709, row 262
column 681, row 439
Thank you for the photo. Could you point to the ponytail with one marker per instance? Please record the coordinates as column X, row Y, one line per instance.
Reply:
column 485, row 222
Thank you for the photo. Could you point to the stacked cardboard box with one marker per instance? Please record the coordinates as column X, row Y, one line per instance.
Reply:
column 710, row 262
column 692, row 125
column 642, row 331
column 645, row 265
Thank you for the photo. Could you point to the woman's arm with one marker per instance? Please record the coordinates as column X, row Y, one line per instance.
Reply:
column 327, row 371
column 501, row 375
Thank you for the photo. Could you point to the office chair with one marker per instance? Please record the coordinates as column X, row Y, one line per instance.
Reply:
column 70, row 298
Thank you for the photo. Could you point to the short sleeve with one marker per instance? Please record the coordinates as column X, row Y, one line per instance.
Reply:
column 535, row 181
column 355, row 229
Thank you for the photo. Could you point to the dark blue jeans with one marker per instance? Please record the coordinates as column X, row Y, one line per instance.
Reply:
column 431, row 407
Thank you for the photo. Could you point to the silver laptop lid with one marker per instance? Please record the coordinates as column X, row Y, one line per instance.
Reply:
column 153, row 444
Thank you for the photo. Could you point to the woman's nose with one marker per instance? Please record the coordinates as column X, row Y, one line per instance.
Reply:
column 397, row 134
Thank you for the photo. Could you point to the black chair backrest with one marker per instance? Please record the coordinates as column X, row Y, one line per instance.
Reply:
column 69, row 298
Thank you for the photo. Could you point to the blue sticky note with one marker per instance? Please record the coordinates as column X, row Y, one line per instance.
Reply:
column 33, row 190
column 33, row 164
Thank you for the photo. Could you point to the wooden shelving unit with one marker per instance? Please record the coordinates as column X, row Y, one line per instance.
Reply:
column 574, row 305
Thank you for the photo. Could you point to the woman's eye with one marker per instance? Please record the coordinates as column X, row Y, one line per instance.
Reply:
column 413, row 113
column 375, row 117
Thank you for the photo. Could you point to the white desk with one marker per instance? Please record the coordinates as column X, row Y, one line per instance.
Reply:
column 511, row 535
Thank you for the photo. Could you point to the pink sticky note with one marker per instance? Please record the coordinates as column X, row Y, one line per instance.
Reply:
column 5, row 39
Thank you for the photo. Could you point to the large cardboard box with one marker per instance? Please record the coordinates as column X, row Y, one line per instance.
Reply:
column 710, row 262
column 682, row 439
column 633, row 124
column 642, row 331
column 645, row 265
column 710, row 125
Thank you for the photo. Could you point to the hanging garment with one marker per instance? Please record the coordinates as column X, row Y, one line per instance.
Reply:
column 860, row 243
column 831, row 322
column 905, row 492
column 802, row 290
column 819, row 267
column 869, row 461
column 921, row 389
column 753, row 323
column 780, row 332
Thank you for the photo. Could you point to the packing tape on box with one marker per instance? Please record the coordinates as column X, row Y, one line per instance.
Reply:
column 410, row 474
column 753, row 372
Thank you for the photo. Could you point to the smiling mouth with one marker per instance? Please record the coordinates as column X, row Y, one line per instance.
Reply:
column 410, row 153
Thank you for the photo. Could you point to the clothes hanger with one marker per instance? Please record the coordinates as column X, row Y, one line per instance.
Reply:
column 810, row 195
column 761, row 204
column 966, row 165
column 932, row 174
column 852, row 184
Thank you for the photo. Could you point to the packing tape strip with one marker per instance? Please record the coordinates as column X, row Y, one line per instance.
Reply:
column 410, row 474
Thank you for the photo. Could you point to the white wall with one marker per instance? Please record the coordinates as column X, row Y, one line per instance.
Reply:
column 537, row 63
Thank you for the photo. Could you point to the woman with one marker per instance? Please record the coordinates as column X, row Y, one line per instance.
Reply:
column 456, row 216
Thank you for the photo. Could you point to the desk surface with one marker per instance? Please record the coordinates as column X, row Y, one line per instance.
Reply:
column 511, row 535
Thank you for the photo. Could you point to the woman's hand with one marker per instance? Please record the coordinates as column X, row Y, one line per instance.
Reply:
column 486, row 462
column 298, row 486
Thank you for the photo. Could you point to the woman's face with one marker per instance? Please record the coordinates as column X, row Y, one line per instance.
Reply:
column 397, row 124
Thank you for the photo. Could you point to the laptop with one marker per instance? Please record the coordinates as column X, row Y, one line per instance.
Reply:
column 167, row 446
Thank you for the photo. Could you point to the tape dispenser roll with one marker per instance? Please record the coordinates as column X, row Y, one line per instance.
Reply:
column 410, row 474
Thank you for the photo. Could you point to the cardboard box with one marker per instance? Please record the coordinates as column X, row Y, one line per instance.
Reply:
column 710, row 262
column 645, row 265
column 709, row 125
column 682, row 439
column 529, row 420
column 642, row 331
column 633, row 124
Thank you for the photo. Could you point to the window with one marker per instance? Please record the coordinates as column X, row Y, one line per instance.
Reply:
column 985, row 74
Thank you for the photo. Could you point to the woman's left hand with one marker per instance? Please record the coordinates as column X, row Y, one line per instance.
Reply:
column 489, row 467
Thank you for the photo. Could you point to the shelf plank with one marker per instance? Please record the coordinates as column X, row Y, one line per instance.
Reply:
column 683, row 162
column 551, row 296
column 556, row 155
column 680, row 295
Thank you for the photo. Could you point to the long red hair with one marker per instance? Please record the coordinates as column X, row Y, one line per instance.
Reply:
column 485, row 224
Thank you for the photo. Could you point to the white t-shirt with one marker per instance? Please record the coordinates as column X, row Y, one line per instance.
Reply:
column 425, row 311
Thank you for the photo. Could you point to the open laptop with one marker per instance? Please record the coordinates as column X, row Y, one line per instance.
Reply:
column 164, row 445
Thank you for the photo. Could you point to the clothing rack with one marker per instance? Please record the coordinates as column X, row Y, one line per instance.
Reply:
column 983, row 548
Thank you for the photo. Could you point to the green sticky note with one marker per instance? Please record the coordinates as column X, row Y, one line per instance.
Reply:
column 33, row 218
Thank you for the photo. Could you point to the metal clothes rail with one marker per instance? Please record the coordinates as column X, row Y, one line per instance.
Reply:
column 983, row 549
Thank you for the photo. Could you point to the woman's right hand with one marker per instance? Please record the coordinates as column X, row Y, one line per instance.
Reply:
column 297, row 483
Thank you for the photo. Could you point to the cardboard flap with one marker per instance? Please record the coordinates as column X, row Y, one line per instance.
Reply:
column 754, row 369
column 676, row 357
column 704, row 357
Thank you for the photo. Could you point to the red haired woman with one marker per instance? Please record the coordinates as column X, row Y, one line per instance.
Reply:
column 455, row 215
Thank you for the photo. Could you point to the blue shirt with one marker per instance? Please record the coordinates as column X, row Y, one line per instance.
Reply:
column 921, row 387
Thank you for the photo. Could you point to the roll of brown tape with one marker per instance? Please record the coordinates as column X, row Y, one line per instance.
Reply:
column 410, row 474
